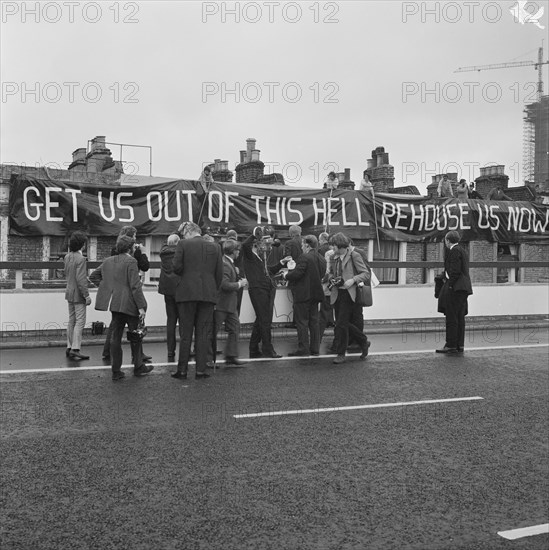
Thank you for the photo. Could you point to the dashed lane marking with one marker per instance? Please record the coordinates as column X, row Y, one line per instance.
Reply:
column 357, row 407
column 265, row 359
column 513, row 534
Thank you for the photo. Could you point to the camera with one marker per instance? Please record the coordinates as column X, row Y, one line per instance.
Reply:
column 335, row 282
column 135, row 336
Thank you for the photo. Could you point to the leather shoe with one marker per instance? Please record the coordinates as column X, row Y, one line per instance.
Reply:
column 146, row 358
column 365, row 349
column 454, row 352
column 75, row 354
column 143, row 370
column 298, row 354
column 171, row 358
column 255, row 354
column 445, row 349
column 234, row 361
column 179, row 375
column 199, row 375
column 272, row 355
column 315, row 353
column 339, row 359
column 68, row 352
column 118, row 375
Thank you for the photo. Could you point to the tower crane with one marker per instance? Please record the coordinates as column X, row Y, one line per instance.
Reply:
column 537, row 64
column 533, row 119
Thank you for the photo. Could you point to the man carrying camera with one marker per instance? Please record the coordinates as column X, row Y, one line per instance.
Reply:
column 120, row 290
column 346, row 270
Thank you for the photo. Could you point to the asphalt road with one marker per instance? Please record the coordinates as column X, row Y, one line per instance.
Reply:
column 161, row 463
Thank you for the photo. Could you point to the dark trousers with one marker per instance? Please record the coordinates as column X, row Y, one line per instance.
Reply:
column 306, row 320
column 118, row 323
column 456, row 309
column 346, row 312
column 232, row 325
column 197, row 316
column 263, row 303
column 172, row 316
column 326, row 315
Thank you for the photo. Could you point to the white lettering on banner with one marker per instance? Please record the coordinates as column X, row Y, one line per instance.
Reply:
column 426, row 217
column 332, row 210
column 257, row 198
column 73, row 193
column 319, row 210
column 48, row 203
column 272, row 210
column 516, row 221
column 359, row 214
column 158, row 196
column 291, row 210
column 119, row 205
column 212, row 195
column 344, row 214
column 490, row 221
column 229, row 203
column 463, row 212
column 35, row 205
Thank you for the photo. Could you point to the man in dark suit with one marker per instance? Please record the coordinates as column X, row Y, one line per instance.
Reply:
column 292, row 247
column 166, row 286
column 456, row 266
column 200, row 267
column 306, row 286
column 226, row 310
column 262, row 292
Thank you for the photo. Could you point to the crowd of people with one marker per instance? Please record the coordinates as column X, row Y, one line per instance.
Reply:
column 202, row 282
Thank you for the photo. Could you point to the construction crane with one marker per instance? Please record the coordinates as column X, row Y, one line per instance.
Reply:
column 533, row 119
column 537, row 64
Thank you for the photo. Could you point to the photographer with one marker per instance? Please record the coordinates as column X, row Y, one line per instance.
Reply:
column 143, row 265
column 346, row 270
column 261, row 289
column 119, row 285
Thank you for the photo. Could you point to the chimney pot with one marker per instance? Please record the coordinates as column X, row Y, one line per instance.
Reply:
column 255, row 155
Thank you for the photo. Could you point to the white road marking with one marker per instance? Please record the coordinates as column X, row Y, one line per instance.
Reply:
column 357, row 407
column 264, row 359
column 513, row 534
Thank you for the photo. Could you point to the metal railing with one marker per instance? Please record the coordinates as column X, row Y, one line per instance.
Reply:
column 431, row 267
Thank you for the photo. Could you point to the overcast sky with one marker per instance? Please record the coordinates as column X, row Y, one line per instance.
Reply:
column 342, row 78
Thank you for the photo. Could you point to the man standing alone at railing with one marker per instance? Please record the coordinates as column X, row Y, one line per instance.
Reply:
column 76, row 293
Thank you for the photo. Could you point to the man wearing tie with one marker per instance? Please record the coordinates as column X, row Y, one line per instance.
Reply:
column 226, row 310
column 262, row 292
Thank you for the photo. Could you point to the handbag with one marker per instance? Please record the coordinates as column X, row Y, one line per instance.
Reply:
column 364, row 295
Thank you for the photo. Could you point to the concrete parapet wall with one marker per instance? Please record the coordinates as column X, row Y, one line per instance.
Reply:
column 47, row 309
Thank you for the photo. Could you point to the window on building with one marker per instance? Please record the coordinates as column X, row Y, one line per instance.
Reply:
column 388, row 251
column 507, row 253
